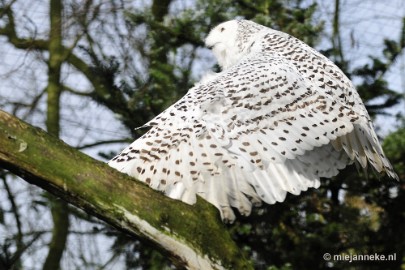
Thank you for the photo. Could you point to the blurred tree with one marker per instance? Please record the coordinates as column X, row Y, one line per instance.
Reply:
column 158, row 56
column 59, row 208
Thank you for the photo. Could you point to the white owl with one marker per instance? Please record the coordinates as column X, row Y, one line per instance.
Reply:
column 276, row 119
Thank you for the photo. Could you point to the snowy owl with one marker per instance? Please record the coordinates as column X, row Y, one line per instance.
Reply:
column 277, row 118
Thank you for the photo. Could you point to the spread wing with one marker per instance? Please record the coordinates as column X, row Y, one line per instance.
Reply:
column 252, row 133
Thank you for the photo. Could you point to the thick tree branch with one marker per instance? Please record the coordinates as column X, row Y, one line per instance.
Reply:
column 193, row 235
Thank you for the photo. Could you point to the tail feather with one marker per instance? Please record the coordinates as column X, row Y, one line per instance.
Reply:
column 363, row 147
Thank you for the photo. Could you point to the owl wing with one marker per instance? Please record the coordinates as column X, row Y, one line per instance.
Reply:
column 332, row 82
column 252, row 133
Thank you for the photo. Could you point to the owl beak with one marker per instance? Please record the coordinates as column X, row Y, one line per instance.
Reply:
column 211, row 46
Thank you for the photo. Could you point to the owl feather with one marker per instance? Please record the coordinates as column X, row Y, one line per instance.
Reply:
column 275, row 120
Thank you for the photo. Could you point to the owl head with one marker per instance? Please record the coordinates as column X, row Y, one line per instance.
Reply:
column 231, row 40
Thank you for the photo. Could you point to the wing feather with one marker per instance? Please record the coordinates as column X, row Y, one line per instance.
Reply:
column 254, row 132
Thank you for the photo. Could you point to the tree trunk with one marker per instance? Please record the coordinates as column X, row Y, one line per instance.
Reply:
column 193, row 235
column 59, row 209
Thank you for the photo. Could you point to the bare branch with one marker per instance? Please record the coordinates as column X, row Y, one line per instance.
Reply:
column 104, row 142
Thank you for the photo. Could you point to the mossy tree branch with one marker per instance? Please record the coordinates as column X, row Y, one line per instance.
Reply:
column 194, row 236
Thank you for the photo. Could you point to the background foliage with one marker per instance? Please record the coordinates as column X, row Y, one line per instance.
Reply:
column 120, row 64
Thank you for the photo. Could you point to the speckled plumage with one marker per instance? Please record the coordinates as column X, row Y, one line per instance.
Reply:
column 277, row 118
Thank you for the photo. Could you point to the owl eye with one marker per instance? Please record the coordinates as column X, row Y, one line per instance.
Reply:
column 222, row 29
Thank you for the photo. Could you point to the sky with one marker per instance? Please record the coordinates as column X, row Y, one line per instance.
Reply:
column 365, row 24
